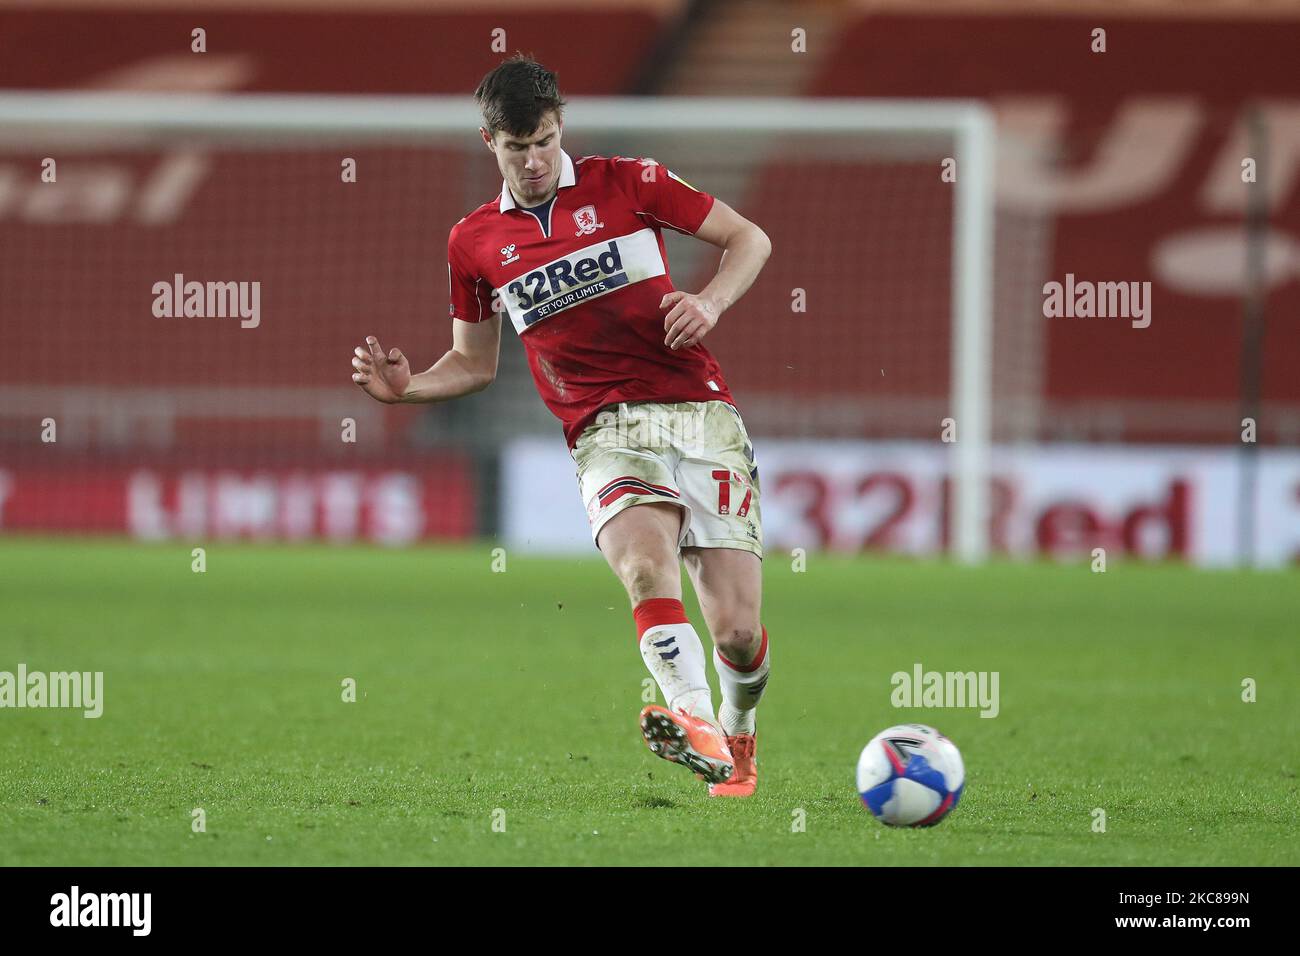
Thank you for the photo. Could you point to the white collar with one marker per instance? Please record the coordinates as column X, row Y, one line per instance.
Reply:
column 567, row 178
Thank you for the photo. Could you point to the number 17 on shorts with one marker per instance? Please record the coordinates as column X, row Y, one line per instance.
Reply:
column 707, row 469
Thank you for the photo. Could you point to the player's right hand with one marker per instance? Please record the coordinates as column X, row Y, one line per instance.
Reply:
column 383, row 377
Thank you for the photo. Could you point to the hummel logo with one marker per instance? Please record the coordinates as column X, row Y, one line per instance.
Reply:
column 509, row 253
column 667, row 655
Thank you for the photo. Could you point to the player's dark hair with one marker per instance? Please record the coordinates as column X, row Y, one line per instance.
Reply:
column 516, row 95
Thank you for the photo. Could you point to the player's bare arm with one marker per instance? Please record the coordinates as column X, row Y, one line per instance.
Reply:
column 745, row 248
column 469, row 366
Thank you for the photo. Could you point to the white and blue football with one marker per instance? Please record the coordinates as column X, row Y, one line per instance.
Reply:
column 910, row 776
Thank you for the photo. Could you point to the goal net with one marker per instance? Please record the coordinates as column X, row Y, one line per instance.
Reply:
column 320, row 220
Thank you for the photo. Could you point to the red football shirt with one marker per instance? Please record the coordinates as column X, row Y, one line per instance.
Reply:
column 582, row 286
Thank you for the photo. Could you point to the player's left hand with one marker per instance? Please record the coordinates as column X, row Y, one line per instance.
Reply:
column 689, row 320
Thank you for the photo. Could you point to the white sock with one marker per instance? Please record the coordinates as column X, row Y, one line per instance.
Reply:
column 675, row 656
column 742, row 689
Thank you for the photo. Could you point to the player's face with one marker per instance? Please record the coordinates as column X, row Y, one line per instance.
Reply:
column 530, row 164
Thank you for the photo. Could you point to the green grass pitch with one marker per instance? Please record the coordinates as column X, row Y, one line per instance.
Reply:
column 480, row 692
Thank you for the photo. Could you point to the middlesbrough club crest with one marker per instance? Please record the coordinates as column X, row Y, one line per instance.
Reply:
column 585, row 220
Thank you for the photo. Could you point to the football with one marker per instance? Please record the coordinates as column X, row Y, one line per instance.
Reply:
column 910, row 775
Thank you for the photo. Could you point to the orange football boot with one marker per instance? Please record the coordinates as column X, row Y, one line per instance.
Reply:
column 691, row 741
column 744, row 781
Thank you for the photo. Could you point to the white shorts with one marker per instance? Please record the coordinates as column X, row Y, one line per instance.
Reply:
column 693, row 454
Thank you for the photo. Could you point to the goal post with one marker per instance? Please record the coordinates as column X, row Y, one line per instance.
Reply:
column 732, row 141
